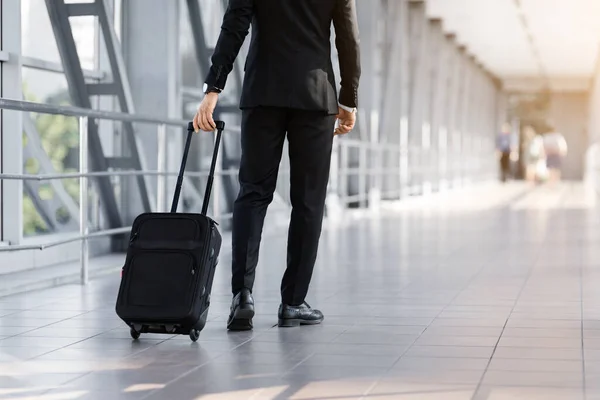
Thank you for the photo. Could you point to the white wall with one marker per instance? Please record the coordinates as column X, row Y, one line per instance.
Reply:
column 568, row 113
column 593, row 128
column 594, row 108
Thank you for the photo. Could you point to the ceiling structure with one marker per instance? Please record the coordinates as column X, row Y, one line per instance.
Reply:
column 527, row 42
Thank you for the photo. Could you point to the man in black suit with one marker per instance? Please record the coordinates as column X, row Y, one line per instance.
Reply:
column 289, row 87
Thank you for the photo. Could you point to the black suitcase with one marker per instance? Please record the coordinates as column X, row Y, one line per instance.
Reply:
column 170, row 265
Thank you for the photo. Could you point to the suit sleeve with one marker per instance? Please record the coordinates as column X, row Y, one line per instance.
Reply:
column 235, row 28
column 347, row 43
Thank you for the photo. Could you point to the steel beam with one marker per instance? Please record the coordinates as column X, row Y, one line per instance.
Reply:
column 44, row 65
column 123, row 94
column 203, row 55
column 63, row 33
column 160, row 65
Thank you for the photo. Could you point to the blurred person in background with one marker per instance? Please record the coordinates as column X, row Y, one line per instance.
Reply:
column 555, row 148
column 504, row 147
column 534, row 158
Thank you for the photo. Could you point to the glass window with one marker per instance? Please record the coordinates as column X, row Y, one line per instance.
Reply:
column 37, row 34
column 38, row 39
column 85, row 35
column 48, row 140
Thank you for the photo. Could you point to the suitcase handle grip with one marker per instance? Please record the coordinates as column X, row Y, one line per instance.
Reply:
column 213, row 164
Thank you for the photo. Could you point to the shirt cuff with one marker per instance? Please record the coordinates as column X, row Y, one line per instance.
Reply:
column 349, row 109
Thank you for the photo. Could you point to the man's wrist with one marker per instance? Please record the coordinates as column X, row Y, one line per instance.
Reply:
column 211, row 89
column 346, row 108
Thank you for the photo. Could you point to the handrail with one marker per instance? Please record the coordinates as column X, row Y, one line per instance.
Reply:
column 28, row 106
column 70, row 175
column 84, row 114
column 71, row 239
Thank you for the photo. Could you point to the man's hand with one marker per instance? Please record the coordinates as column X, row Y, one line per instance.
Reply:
column 347, row 120
column 204, row 117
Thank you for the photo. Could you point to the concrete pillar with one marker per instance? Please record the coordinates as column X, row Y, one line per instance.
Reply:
column 472, row 114
column 438, row 72
column 456, row 135
column 464, row 116
column 405, row 97
column 419, row 111
column 446, row 132
column 481, row 122
column 501, row 117
column 395, row 94
column 151, row 53
column 488, row 131
column 492, row 123
column 11, row 123
column 371, row 31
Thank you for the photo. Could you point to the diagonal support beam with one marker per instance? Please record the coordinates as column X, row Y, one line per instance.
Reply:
column 124, row 96
column 65, row 41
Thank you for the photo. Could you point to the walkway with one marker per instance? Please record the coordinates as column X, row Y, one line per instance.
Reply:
column 490, row 294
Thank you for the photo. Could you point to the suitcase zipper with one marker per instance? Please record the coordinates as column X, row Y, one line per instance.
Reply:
column 206, row 256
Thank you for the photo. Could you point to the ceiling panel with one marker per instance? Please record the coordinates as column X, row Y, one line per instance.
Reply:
column 565, row 33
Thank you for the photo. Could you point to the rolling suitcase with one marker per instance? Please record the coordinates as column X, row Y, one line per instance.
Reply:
column 170, row 265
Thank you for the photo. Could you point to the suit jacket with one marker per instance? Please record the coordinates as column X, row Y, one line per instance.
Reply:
column 289, row 60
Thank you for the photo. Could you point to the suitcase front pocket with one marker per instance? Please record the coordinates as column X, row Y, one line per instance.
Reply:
column 169, row 227
column 161, row 280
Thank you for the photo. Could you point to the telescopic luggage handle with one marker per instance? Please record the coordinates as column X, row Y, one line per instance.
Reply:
column 213, row 164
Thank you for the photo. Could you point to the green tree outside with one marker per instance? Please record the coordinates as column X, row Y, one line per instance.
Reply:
column 59, row 135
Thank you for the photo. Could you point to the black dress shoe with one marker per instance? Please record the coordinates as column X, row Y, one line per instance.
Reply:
column 290, row 316
column 242, row 311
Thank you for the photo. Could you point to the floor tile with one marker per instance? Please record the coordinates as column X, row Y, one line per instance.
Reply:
column 571, row 343
column 528, row 378
column 540, row 353
column 541, row 365
column 450, row 351
column 391, row 389
column 494, row 304
column 467, row 341
column 441, row 363
column 527, row 393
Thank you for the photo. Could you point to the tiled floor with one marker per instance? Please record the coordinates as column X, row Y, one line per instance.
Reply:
column 464, row 297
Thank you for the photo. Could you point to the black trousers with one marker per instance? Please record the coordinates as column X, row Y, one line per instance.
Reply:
column 310, row 137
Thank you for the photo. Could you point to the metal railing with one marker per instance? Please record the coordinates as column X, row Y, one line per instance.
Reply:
column 341, row 173
column 354, row 162
column 84, row 115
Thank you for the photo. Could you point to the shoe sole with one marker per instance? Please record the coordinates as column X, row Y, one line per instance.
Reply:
column 241, row 320
column 292, row 323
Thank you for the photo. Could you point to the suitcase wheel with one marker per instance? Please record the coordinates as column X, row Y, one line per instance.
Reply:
column 135, row 335
column 194, row 335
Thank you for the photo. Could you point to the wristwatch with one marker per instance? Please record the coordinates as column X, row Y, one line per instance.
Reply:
column 211, row 89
